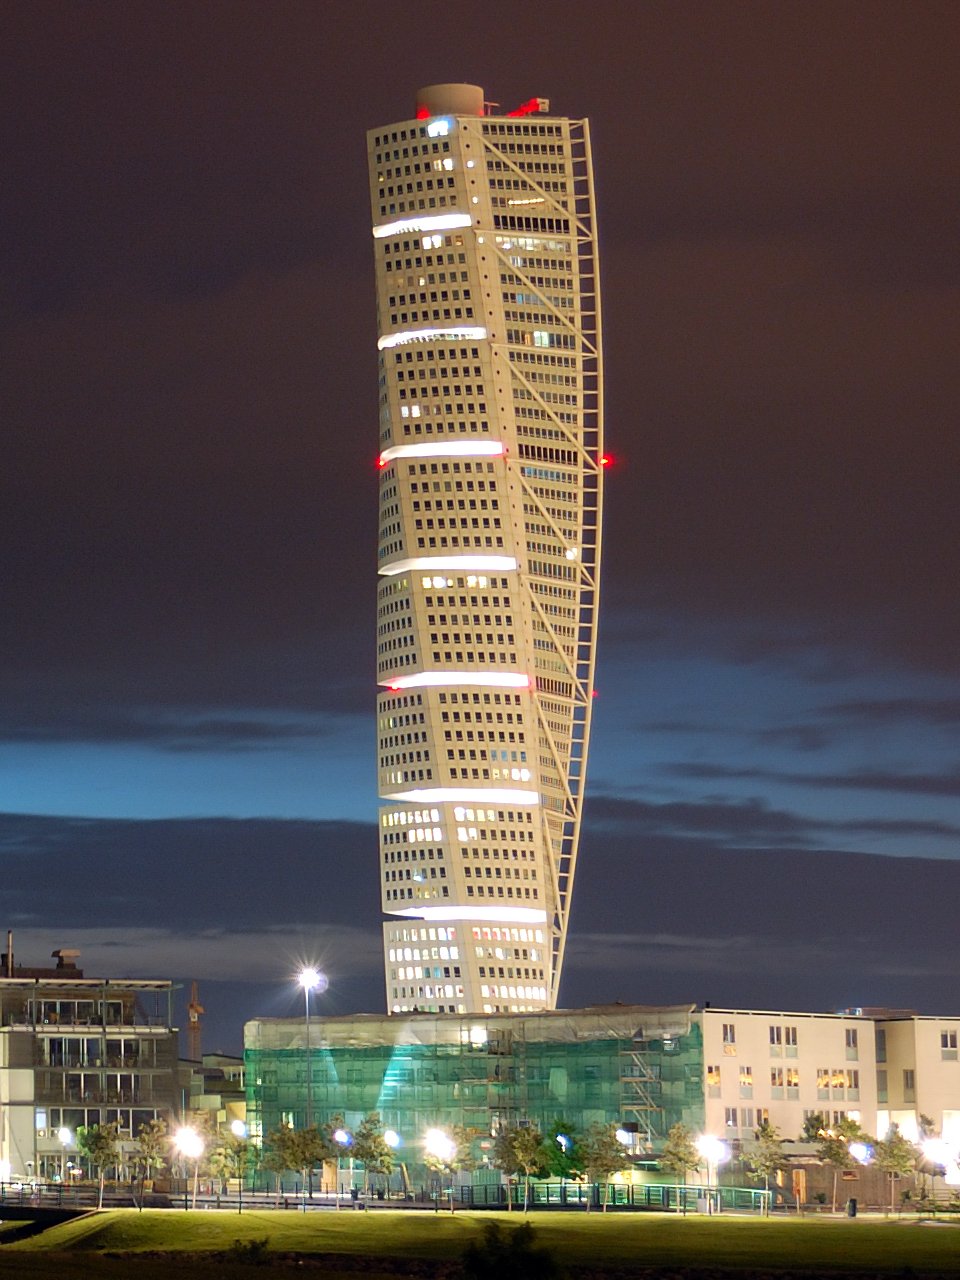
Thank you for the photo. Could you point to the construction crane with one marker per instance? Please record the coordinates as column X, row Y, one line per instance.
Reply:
column 194, row 1010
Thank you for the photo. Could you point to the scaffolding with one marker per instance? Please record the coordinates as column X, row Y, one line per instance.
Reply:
column 622, row 1064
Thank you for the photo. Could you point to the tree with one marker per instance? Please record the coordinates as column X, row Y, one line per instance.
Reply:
column 767, row 1156
column 280, row 1154
column 520, row 1150
column 312, row 1146
column 814, row 1126
column 451, row 1154
column 153, row 1147
column 603, row 1155
column 370, row 1146
column 100, row 1143
column 896, row 1156
column 679, row 1157
column 460, row 1155
column 561, row 1143
column 833, row 1148
column 230, row 1157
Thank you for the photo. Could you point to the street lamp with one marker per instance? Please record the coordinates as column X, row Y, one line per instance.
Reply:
column 393, row 1140
column 715, row 1152
column 311, row 980
column 442, row 1147
column 65, row 1137
column 343, row 1139
column 190, row 1144
column 239, row 1131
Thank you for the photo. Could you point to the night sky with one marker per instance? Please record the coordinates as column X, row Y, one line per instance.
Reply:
column 188, row 408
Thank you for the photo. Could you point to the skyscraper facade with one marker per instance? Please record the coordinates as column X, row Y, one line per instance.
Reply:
column 491, row 471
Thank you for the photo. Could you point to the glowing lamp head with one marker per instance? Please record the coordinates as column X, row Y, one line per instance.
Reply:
column 342, row 1138
column 238, row 1128
column 563, row 1142
column 312, row 979
column 712, row 1149
column 438, row 1144
column 391, row 1138
column 861, row 1152
column 623, row 1137
column 189, row 1143
column 64, row 1136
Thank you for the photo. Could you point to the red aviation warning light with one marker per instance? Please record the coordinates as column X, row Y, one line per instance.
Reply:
column 605, row 460
column 531, row 107
column 382, row 462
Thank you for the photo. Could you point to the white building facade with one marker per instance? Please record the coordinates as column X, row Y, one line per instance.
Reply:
column 489, row 552
column 878, row 1067
column 78, row 1051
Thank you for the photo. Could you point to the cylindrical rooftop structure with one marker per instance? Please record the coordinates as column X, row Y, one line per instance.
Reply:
column 450, row 100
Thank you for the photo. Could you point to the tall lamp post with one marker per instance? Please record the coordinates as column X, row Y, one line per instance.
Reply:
column 715, row 1151
column 443, row 1149
column 239, row 1131
column 190, row 1144
column 65, row 1137
column 311, row 980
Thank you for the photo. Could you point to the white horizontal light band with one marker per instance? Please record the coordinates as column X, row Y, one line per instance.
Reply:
column 470, row 332
column 499, row 915
column 471, row 564
column 469, row 795
column 426, row 679
column 444, row 449
column 425, row 222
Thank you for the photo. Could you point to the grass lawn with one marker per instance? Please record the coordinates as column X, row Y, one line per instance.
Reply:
column 812, row 1245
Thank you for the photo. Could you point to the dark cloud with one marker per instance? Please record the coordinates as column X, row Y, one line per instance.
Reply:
column 238, row 906
column 943, row 784
column 937, row 712
column 735, row 823
column 165, row 731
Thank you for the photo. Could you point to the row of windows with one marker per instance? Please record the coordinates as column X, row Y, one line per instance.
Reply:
column 422, row 297
column 415, row 205
column 501, row 891
column 432, row 313
column 423, row 953
column 475, row 717
column 395, row 776
column 508, row 855
column 500, row 873
column 419, row 185
column 404, row 873
column 443, row 543
column 397, row 895
column 780, row 1036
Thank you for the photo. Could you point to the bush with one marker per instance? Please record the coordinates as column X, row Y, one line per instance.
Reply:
column 509, row 1255
column 251, row 1252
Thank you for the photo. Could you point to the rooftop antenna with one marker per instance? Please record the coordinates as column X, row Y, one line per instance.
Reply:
column 194, row 1010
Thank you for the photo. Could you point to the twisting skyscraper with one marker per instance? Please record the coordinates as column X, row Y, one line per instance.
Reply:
column 489, row 554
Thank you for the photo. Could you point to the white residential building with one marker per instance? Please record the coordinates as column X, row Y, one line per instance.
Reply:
column 877, row 1066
